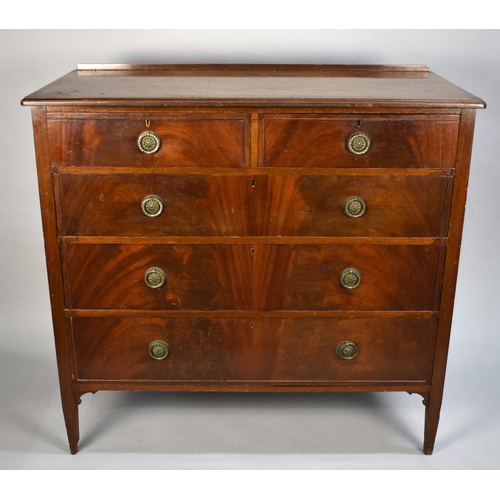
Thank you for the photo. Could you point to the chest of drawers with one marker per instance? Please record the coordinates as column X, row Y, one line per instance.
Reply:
column 252, row 227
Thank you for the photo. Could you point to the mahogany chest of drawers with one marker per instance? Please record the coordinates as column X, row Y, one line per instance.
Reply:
column 252, row 227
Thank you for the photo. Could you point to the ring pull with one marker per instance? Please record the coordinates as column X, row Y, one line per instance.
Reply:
column 350, row 278
column 154, row 277
column 152, row 205
column 158, row 349
column 149, row 142
column 354, row 207
column 358, row 143
column 347, row 350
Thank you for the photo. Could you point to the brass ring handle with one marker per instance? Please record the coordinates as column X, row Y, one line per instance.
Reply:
column 350, row 278
column 155, row 277
column 347, row 350
column 158, row 349
column 358, row 143
column 149, row 142
column 354, row 207
column 152, row 205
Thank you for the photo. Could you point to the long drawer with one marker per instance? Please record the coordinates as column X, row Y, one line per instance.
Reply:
column 258, row 277
column 254, row 349
column 253, row 205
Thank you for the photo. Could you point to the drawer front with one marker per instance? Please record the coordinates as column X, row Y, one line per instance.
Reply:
column 191, row 205
column 254, row 349
column 186, row 141
column 395, row 141
column 322, row 205
column 254, row 205
column 260, row 277
column 196, row 277
column 308, row 277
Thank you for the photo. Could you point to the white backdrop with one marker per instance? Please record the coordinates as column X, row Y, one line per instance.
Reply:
column 169, row 431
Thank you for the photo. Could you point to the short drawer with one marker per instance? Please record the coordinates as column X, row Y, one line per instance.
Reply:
column 378, row 141
column 253, row 277
column 253, row 205
column 254, row 349
column 185, row 140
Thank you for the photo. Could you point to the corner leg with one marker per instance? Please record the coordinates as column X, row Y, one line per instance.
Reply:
column 70, row 402
column 432, row 411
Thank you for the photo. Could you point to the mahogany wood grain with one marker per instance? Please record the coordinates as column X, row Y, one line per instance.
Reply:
column 256, row 205
column 164, row 313
column 254, row 349
column 261, row 277
column 193, row 205
column 372, row 70
column 262, row 386
column 63, row 344
column 253, row 172
column 198, row 277
column 396, row 141
column 312, row 205
column 351, row 87
column 450, row 278
column 306, row 277
column 189, row 140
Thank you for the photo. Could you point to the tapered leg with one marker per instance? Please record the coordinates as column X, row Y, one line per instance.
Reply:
column 70, row 402
column 432, row 410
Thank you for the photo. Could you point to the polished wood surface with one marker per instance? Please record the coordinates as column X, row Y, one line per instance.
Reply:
column 253, row 173
column 261, row 277
column 262, row 85
column 243, row 349
column 187, row 140
column 253, row 205
column 396, row 141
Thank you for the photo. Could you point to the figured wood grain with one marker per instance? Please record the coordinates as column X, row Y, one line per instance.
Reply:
column 312, row 205
column 261, row 277
column 321, row 141
column 244, row 349
column 252, row 205
column 193, row 205
column 306, row 277
column 188, row 140
column 253, row 171
column 202, row 277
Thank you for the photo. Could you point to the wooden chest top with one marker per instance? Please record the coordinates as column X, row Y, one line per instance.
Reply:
column 253, row 85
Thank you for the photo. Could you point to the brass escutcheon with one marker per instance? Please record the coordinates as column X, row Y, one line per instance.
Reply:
column 149, row 142
column 354, row 207
column 158, row 349
column 154, row 277
column 358, row 143
column 346, row 350
column 350, row 278
column 152, row 205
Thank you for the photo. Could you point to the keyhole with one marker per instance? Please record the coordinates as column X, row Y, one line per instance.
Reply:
column 253, row 183
column 358, row 123
column 252, row 251
column 252, row 324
